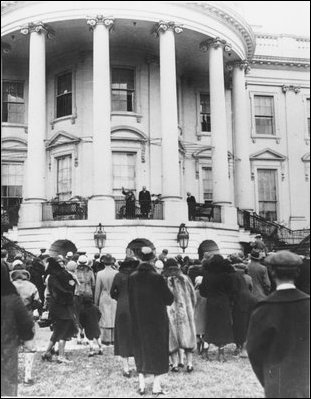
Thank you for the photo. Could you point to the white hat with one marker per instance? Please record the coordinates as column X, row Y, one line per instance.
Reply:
column 198, row 280
column 69, row 254
column 17, row 262
column 83, row 260
column 159, row 264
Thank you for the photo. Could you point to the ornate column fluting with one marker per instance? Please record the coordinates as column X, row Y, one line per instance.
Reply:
column 34, row 180
column 174, row 207
column 101, row 204
column 221, row 187
column 243, row 185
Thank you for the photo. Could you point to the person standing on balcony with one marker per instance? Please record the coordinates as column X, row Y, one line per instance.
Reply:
column 278, row 338
column 191, row 206
column 129, row 203
column 144, row 202
column 103, row 300
column 259, row 275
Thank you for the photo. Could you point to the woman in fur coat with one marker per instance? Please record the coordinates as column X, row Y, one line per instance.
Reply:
column 182, row 332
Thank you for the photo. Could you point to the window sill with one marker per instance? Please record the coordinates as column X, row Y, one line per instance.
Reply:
column 72, row 118
column 266, row 136
column 12, row 124
column 203, row 134
column 128, row 114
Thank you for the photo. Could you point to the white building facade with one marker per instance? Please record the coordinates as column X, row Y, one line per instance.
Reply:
column 176, row 97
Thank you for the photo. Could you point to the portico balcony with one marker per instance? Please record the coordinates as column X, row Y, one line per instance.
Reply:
column 124, row 212
column 64, row 210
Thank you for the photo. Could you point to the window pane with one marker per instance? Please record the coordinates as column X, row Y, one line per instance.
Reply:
column 207, row 184
column 13, row 102
column 205, row 113
column 123, row 78
column 264, row 125
column 64, row 83
column 267, row 194
column 263, row 105
column 64, row 105
column 64, row 177
column 124, row 171
column 122, row 93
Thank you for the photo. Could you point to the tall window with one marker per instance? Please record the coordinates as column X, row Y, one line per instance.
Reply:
column 13, row 105
column 123, row 91
column 267, row 193
column 308, row 115
column 64, row 177
column 207, row 184
column 64, row 95
column 264, row 114
column 12, row 189
column 205, row 113
column 124, row 171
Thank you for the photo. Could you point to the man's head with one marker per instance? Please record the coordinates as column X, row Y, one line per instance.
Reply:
column 258, row 237
column 69, row 255
column 256, row 255
column 188, row 194
column 144, row 188
column 165, row 251
column 284, row 265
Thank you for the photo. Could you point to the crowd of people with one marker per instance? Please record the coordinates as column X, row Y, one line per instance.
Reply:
column 159, row 310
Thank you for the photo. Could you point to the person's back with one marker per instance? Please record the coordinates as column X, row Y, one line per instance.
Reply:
column 278, row 335
column 259, row 275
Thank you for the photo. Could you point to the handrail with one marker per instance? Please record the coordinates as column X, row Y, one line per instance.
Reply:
column 6, row 243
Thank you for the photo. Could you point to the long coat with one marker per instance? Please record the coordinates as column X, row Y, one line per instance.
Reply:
column 261, row 281
column 278, row 344
column 103, row 300
column 243, row 302
column 217, row 289
column 200, row 313
column 16, row 324
column 123, row 341
column 149, row 295
column 181, row 313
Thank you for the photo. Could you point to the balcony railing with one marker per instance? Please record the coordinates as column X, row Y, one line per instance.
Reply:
column 122, row 212
column 64, row 210
column 208, row 212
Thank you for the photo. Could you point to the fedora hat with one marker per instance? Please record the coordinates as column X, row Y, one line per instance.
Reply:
column 256, row 254
column 20, row 274
column 283, row 260
column 129, row 262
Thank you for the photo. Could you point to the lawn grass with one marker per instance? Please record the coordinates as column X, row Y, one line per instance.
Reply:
column 101, row 377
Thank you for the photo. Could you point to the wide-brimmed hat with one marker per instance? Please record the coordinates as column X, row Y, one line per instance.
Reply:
column 129, row 262
column 18, row 264
column 256, row 254
column 171, row 263
column 107, row 259
column 20, row 274
column 69, row 254
column 235, row 258
column 283, row 260
column 146, row 254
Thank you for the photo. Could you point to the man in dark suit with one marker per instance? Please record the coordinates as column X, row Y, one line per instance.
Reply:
column 278, row 334
column 191, row 206
column 144, row 202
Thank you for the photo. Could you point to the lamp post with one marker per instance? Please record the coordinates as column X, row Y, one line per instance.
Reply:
column 183, row 237
column 100, row 237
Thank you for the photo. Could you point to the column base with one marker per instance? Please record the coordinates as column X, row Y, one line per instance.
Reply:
column 30, row 213
column 101, row 209
column 229, row 215
column 175, row 210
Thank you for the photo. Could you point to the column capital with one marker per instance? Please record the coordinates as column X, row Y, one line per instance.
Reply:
column 163, row 26
column 215, row 43
column 100, row 20
column 295, row 89
column 38, row 27
column 242, row 64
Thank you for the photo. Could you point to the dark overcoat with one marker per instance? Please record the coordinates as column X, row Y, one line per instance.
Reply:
column 261, row 281
column 243, row 302
column 16, row 325
column 123, row 341
column 149, row 295
column 216, row 287
column 278, row 344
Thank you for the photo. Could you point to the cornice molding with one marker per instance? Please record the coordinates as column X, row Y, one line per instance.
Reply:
column 100, row 20
column 280, row 61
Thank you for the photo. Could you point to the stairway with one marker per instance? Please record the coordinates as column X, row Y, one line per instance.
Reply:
column 275, row 236
column 13, row 249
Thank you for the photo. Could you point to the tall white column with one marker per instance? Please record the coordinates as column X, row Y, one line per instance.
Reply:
column 34, row 187
column 101, row 204
column 243, row 184
column 220, row 165
column 175, row 208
